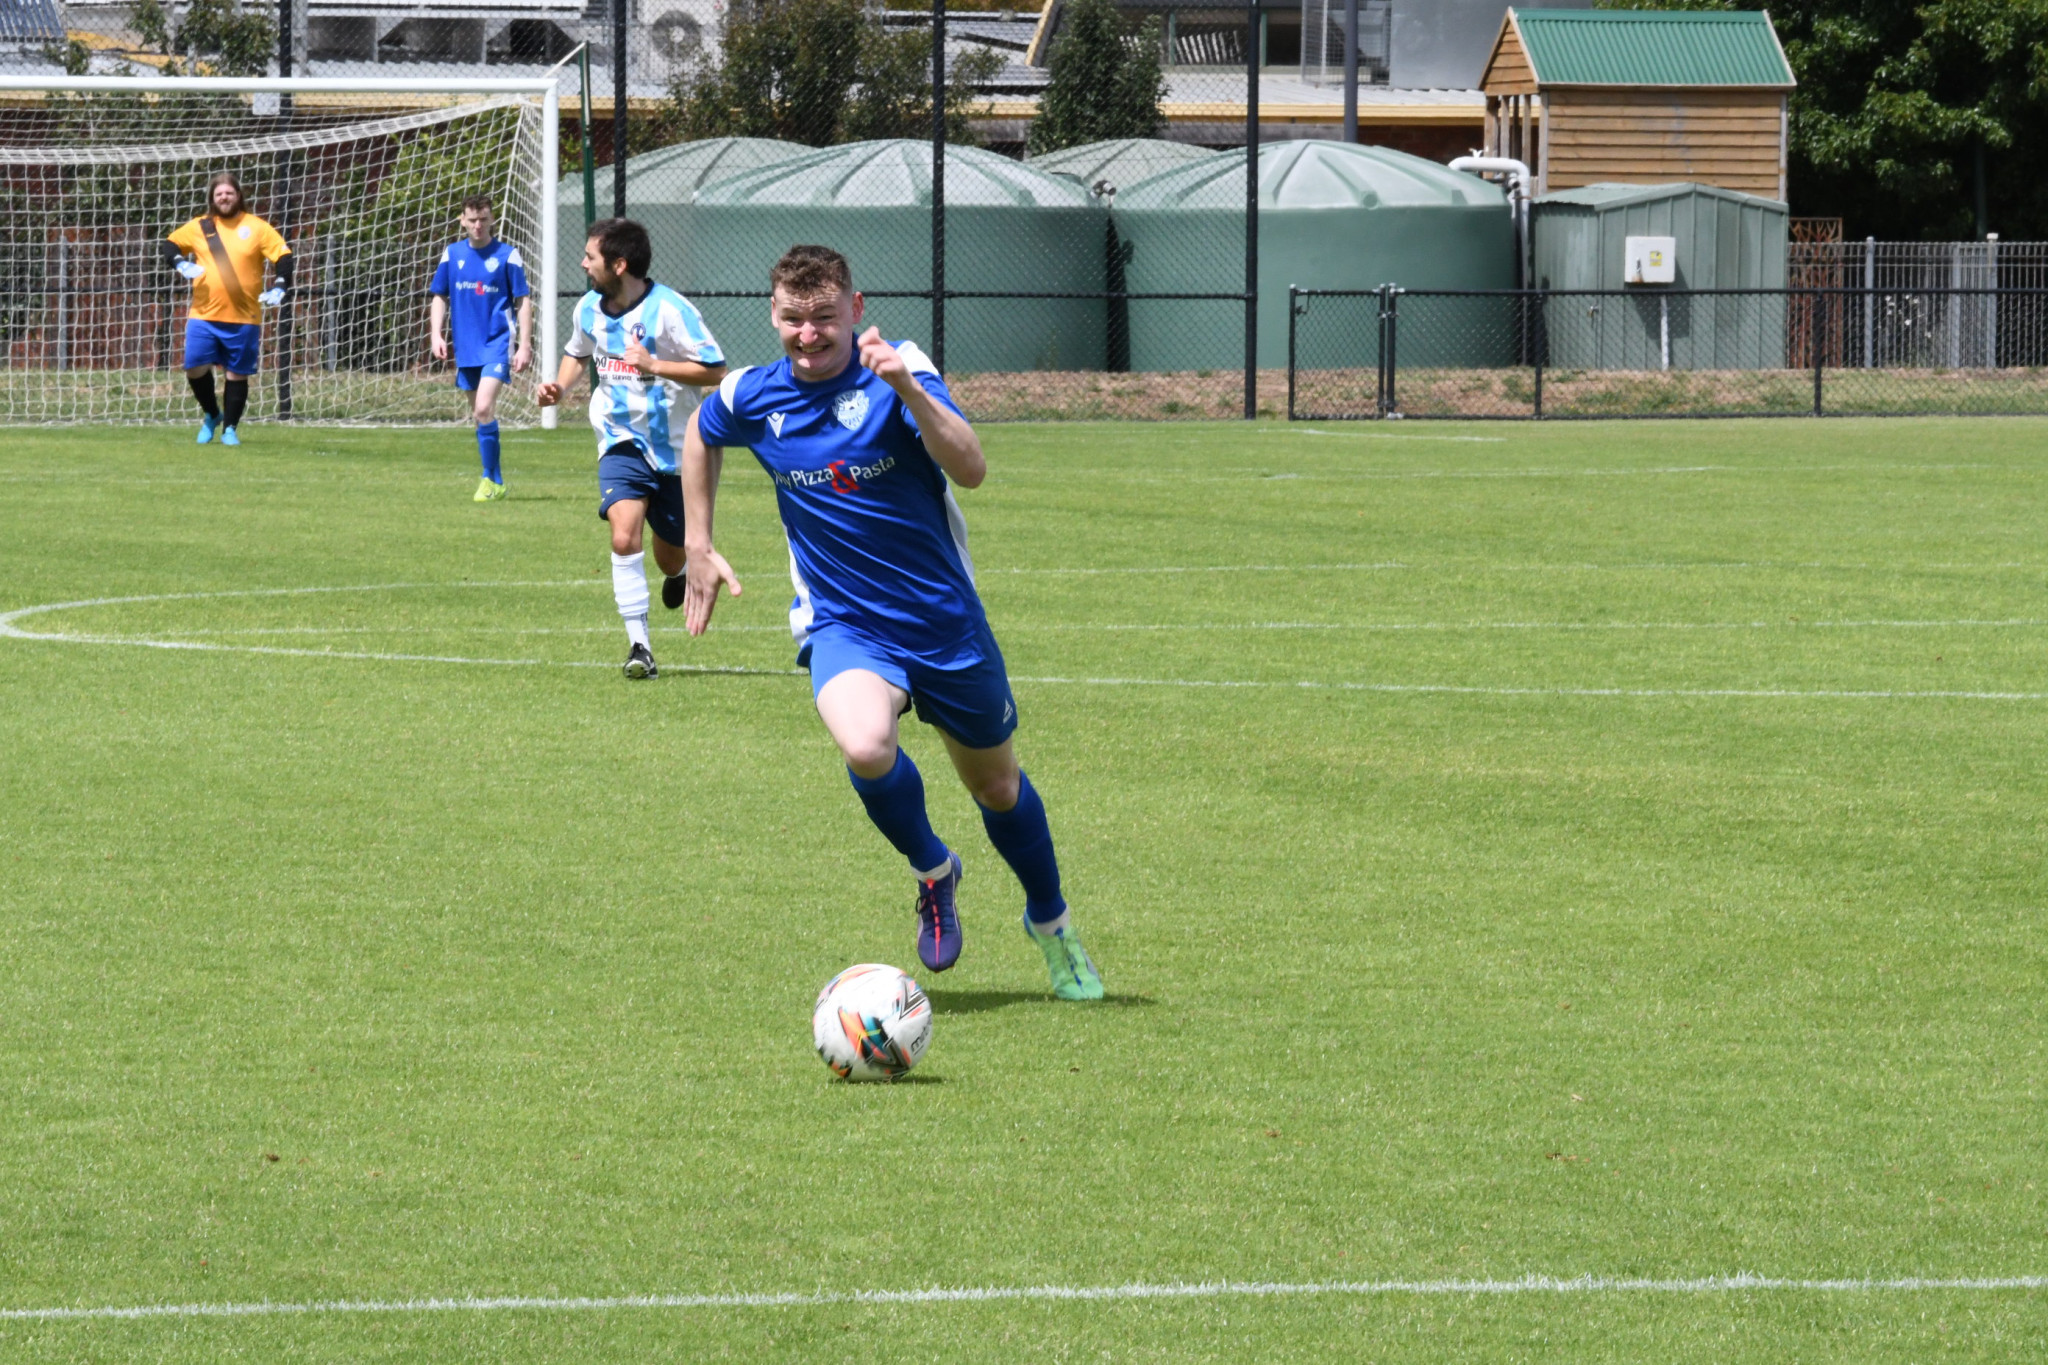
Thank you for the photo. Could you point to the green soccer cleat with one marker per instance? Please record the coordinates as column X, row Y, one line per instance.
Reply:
column 486, row 491
column 1073, row 975
column 228, row 437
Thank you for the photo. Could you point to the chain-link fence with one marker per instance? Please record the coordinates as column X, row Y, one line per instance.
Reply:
column 1667, row 353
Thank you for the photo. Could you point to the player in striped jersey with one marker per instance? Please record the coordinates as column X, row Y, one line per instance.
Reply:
column 650, row 356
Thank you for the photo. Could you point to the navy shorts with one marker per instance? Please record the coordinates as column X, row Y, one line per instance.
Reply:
column 972, row 703
column 232, row 345
column 467, row 377
column 623, row 472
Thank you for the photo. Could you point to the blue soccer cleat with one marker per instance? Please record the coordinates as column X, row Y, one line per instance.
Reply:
column 228, row 437
column 207, row 424
column 938, row 924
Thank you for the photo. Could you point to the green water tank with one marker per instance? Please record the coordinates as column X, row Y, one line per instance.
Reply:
column 1332, row 215
column 1722, row 239
column 656, row 182
column 1009, row 228
column 1121, row 161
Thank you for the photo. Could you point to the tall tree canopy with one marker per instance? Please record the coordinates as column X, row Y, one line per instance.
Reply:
column 1908, row 110
column 1106, row 79
column 821, row 72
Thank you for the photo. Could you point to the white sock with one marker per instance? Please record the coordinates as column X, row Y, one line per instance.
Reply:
column 636, row 632
column 629, row 586
column 944, row 869
column 1050, row 927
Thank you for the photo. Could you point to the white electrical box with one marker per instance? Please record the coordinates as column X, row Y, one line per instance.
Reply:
column 1651, row 260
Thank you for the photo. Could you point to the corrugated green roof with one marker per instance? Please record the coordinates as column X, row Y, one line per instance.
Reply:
column 1652, row 47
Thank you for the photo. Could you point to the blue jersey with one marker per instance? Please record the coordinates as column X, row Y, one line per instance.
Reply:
column 626, row 406
column 876, row 542
column 483, row 289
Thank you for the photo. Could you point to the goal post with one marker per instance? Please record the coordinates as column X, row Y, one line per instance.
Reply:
column 364, row 177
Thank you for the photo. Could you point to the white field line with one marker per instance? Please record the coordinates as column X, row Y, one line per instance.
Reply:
column 1535, row 1284
column 1026, row 628
column 10, row 630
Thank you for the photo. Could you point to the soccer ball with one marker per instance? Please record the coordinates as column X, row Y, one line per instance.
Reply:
column 871, row 1023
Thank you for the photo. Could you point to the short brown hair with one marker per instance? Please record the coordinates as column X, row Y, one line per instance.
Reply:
column 622, row 239
column 808, row 271
column 220, row 178
column 480, row 202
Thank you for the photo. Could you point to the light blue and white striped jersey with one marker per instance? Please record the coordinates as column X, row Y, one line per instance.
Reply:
column 626, row 406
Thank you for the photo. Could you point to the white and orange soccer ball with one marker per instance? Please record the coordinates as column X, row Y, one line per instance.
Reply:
column 871, row 1023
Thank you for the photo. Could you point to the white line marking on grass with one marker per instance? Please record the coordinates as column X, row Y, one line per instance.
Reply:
column 1389, row 436
column 1534, row 1284
column 10, row 630
column 1458, row 690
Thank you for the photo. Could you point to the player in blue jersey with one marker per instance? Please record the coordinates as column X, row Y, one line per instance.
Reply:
column 861, row 438
column 478, row 286
column 650, row 355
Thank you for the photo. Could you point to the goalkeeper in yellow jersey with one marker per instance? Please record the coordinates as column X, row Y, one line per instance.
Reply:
column 222, row 252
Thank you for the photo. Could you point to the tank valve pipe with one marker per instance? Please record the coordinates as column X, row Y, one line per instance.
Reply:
column 1518, row 202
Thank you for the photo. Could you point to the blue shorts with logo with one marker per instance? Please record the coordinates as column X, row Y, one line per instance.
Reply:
column 623, row 472
column 467, row 377
column 232, row 345
column 972, row 703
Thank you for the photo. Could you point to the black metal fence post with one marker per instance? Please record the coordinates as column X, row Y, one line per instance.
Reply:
column 1379, row 399
column 1535, row 304
column 1393, row 342
column 1251, row 211
column 1813, row 326
column 619, row 108
column 1292, row 314
column 939, row 184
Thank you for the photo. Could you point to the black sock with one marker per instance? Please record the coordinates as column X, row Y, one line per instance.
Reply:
column 235, row 401
column 202, row 389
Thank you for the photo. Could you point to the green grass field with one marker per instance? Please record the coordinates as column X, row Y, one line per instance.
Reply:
column 1561, row 851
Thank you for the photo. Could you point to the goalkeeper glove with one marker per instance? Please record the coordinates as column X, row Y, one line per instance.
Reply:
column 272, row 297
column 191, row 270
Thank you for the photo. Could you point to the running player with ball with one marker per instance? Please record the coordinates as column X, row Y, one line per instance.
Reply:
column 863, row 442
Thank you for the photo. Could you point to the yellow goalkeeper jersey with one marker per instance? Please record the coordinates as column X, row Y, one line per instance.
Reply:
column 233, row 253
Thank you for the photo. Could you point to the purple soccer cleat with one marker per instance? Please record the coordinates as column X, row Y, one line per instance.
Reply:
column 938, row 926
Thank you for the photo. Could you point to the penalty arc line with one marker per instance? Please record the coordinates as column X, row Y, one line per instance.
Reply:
column 1536, row 1284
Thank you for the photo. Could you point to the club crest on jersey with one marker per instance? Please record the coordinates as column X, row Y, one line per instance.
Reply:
column 491, row 264
column 775, row 420
column 851, row 408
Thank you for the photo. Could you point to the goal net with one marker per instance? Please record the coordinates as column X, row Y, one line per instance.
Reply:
column 365, row 184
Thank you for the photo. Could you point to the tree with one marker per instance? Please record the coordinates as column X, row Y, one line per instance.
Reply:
column 1106, row 79
column 213, row 37
column 821, row 72
column 1911, row 114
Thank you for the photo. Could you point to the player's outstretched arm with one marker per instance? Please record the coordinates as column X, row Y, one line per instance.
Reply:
column 706, row 568
column 947, row 435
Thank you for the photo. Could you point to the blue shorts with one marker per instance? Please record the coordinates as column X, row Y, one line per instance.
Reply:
column 623, row 472
column 467, row 377
column 232, row 345
column 971, row 703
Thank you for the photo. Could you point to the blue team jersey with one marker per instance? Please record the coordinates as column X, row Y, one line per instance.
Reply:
column 876, row 542
column 483, row 289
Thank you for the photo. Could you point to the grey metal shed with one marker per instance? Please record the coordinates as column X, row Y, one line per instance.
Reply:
column 1722, row 239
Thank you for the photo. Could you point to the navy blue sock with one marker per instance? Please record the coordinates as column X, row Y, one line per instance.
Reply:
column 487, row 447
column 1023, row 837
column 895, row 802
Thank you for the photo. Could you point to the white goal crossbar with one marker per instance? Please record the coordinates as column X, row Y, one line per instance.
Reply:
column 412, row 90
